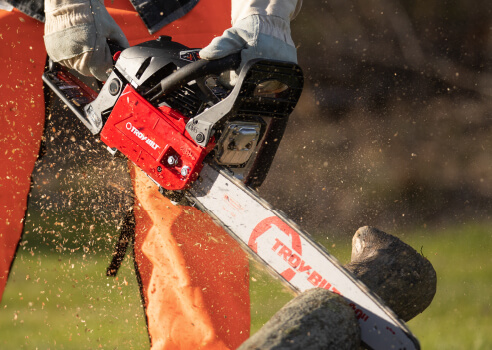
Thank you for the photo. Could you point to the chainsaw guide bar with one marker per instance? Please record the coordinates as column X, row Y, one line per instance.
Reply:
column 292, row 255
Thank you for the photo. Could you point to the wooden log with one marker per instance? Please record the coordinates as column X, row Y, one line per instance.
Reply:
column 403, row 278
column 319, row 319
column 316, row 319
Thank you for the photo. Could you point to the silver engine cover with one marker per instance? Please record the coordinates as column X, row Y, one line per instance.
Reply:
column 237, row 143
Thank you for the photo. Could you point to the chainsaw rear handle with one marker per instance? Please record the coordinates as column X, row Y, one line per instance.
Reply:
column 192, row 71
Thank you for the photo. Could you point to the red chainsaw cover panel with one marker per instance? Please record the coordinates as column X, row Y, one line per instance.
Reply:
column 149, row 136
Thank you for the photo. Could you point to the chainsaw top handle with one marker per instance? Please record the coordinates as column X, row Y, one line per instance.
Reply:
column 192, row 71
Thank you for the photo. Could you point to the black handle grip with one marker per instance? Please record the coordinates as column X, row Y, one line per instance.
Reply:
column 193, row 71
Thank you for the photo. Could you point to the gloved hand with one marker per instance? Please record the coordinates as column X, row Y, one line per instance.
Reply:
column 76, row 34
column 260, row 29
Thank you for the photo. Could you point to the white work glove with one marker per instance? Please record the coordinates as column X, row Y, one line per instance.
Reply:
column 260, row 29
column 76, row 34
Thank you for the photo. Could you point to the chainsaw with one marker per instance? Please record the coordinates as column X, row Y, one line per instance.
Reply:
column 211, row 144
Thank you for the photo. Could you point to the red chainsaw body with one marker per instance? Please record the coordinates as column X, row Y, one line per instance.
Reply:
column 155, row 139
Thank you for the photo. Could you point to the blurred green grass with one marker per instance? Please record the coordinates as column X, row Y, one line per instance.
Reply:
column 58, row 296
column 460, row 317
column 61, row 299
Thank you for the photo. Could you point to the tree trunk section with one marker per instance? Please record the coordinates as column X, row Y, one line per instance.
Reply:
column 316, row 319
column 403, row 278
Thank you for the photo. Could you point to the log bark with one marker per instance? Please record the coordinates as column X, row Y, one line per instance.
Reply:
column 319, row 319
column 403, row 278
column 316, row 319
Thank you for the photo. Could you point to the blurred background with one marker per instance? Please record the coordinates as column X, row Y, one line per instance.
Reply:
column 393, row 130
column 394, row 125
